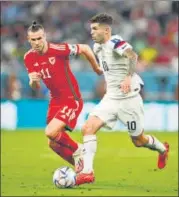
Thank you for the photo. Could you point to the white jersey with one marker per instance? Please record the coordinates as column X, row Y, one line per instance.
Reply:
column 115, row 67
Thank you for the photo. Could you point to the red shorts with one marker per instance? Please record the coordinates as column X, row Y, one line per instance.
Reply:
column 65, row 110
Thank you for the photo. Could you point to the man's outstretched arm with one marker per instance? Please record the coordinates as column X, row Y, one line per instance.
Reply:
column 87, row 51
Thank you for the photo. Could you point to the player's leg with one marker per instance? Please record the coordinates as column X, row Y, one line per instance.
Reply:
column 132, row 114
column 55, row 131
column 62, row 151
column 142, row 140
column 151, row 142
column 103, row 115
column 89, row 129
column 66, row 147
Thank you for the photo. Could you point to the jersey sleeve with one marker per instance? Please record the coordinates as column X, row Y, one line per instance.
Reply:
column 28, row 64
column 64, row 49
column 119, row 45
column 96, row 48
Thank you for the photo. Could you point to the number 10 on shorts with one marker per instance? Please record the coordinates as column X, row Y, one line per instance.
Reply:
column 131, row 125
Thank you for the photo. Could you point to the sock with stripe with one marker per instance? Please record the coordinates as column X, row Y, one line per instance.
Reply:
column 62, row 151
column 155, row 144
column 90, row 146
column 65, row 140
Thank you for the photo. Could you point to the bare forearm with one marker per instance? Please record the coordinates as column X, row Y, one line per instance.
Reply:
column 132, row 65
column 132, row 57
column 88, row 53
column 91, row 58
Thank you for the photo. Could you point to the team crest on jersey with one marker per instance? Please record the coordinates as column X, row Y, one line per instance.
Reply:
column 52, row 60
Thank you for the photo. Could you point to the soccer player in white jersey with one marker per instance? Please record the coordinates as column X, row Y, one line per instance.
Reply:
column 122, row 100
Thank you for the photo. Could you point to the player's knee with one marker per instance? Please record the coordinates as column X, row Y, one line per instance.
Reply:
column 47, row 132
column 50, row 133
column 86, row 129
column 140, row 140
column 51, row 143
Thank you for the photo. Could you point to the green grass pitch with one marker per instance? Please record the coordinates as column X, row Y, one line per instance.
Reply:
column 27, row 165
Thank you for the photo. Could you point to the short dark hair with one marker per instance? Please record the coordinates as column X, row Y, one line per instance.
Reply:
column 35, row 27
column 102, row 18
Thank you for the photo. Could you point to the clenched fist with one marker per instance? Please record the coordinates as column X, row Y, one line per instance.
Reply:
column 98, row 71
column 35, row 77
column 126, row 85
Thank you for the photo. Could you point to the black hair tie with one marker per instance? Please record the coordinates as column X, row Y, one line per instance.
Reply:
column 34, row 23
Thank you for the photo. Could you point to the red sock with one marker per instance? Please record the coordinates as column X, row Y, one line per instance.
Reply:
column 66, row 141
column 62, row 151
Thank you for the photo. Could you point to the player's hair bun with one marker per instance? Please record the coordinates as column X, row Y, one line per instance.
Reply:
column 34, row 23
column 35, row 27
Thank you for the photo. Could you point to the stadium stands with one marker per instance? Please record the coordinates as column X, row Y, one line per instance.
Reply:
column 68, row 22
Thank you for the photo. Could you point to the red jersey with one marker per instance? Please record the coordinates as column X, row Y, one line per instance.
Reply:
column 55, row 69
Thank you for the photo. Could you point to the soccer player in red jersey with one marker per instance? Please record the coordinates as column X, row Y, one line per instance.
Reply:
column 50, row 63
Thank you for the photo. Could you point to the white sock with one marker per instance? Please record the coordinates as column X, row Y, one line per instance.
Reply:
column 90, row 145
column 155, row 144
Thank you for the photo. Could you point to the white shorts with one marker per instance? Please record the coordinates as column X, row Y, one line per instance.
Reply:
column 129, row 111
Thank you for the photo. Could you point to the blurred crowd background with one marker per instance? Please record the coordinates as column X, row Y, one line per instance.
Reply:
column 150, row 26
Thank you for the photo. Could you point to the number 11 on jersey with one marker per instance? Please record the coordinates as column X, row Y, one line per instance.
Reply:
column 45, row 73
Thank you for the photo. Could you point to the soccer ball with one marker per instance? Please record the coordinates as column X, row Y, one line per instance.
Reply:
column 64, row 177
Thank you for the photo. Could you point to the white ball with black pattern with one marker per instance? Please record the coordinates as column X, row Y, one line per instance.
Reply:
column 64, row 177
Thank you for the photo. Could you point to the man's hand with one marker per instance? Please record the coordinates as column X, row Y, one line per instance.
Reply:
column 126, row 85
column 34, row 80
column 35, row 77
column 98, row 71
